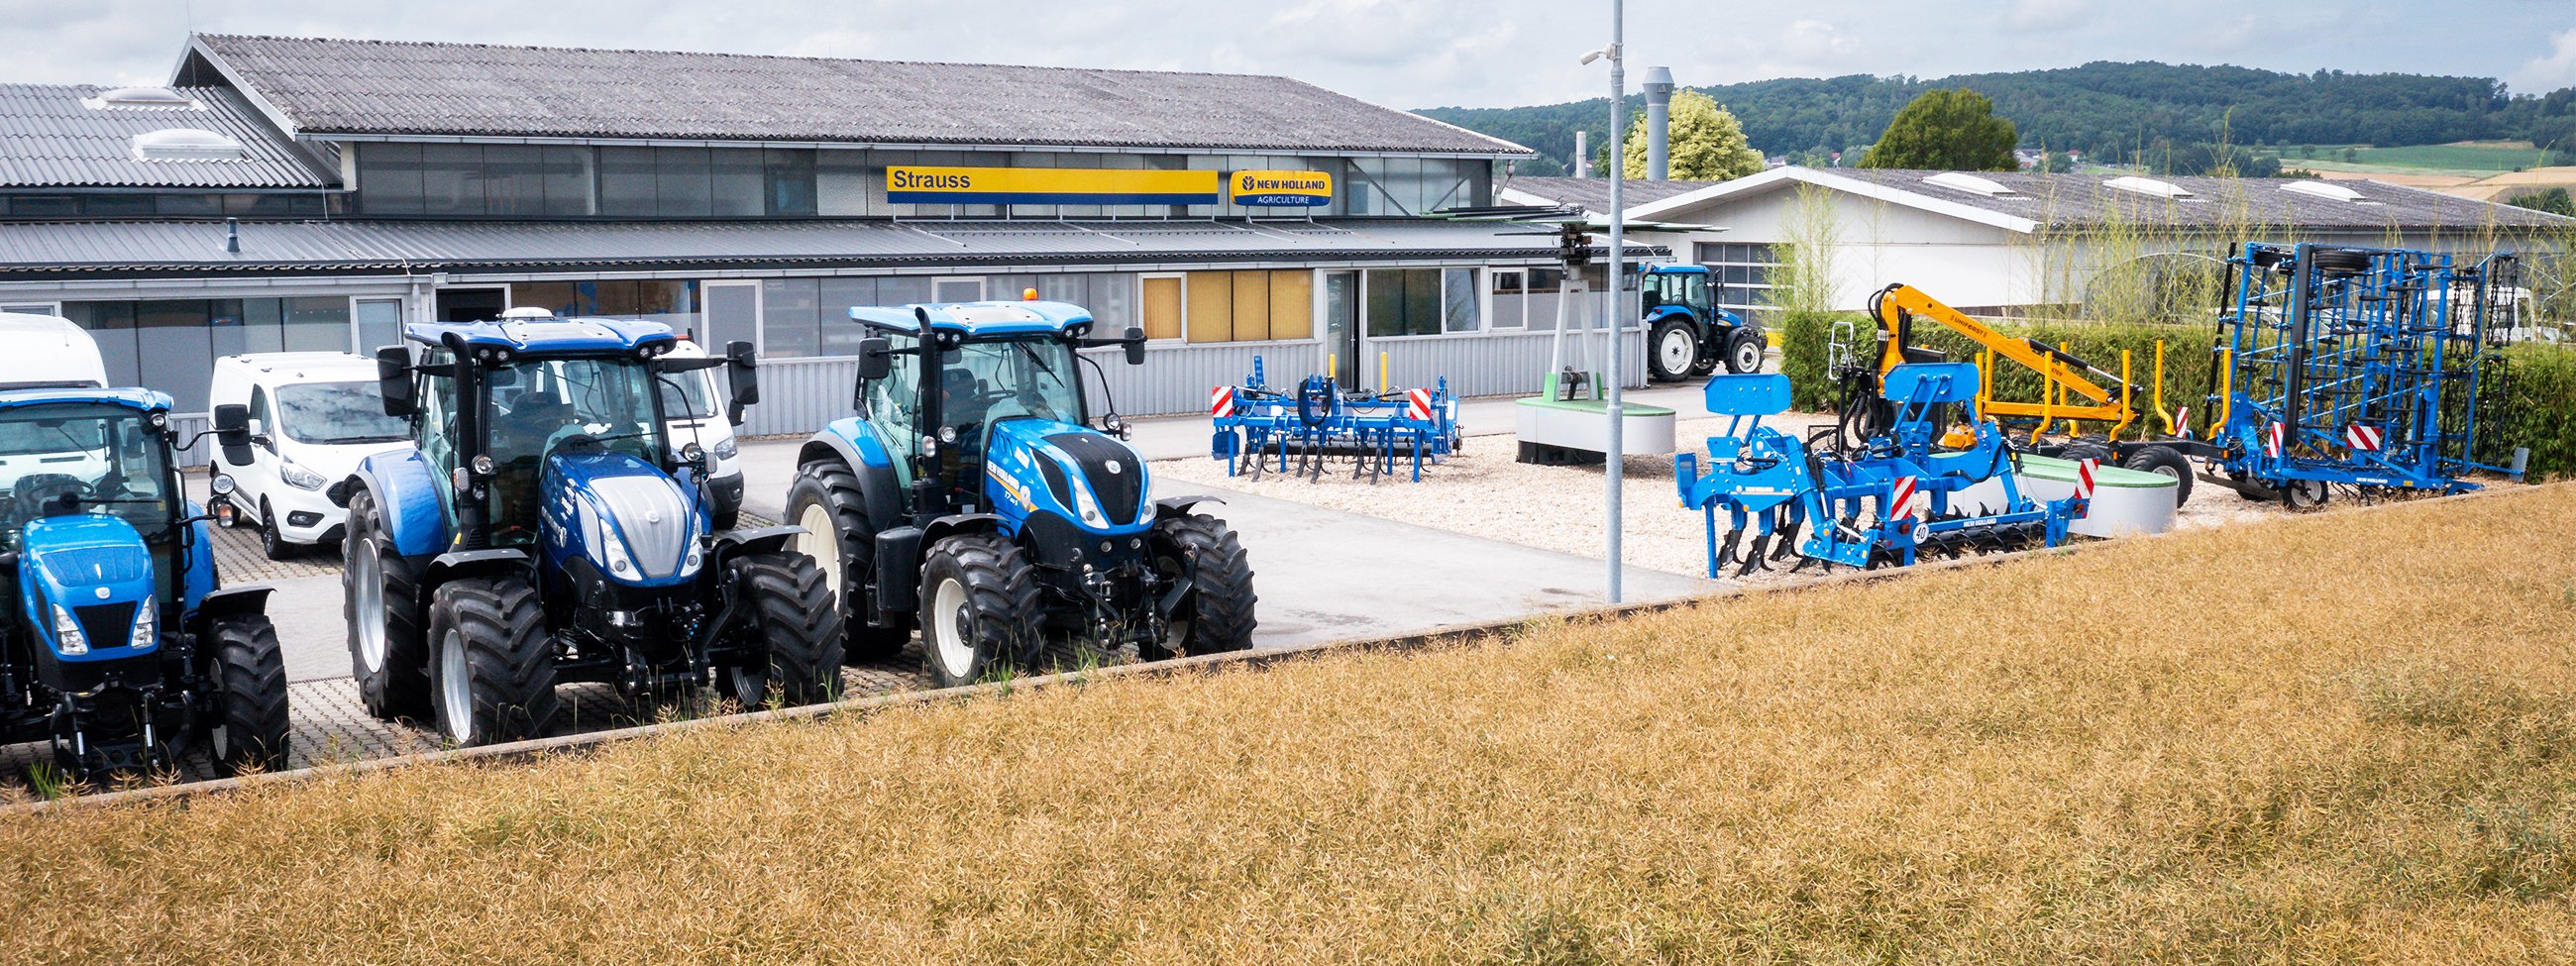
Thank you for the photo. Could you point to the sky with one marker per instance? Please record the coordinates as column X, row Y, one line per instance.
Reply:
column 1400, row 53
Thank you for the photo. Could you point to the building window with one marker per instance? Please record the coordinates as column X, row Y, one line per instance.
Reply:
column 1421, row 301
column 789, row 324
column 389, row 179
column 451, row 179
column 1250, row 306
column 1162, row 306
column 1742, row 272
column 626, row 178
column 788, row 174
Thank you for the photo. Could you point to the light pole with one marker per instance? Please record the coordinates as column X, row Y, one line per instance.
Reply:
column 1618, row 221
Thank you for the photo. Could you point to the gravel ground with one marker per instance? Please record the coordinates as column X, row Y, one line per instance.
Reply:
column 1483, row 492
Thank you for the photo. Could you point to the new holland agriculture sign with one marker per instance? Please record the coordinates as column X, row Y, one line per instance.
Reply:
column 910, row 184
column 1280, row 189
column 1048, row 186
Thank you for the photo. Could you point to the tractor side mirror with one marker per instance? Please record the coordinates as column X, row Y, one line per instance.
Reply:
column 232, row 432
column 876, row 357
column 393, row 381
column 1135, row 341
column 743, row 381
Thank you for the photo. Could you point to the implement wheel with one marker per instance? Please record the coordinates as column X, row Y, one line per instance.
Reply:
column 249, row 731
column 2167, row 461
column 380, row 594
column 783, row 606
column 1216, row 616
column 495, row 674
column 2305, row 495
column 979, row 608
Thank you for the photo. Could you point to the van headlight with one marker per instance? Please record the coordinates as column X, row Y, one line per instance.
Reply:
column 144, row 621
column 67, row 634
column 299, row 477
column 724, row 449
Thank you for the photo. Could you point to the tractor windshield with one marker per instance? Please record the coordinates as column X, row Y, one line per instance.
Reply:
column 78, row 457
column 538, row 406
column 987, row 382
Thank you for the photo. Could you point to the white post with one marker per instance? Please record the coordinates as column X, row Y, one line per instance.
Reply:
column 1618, row 283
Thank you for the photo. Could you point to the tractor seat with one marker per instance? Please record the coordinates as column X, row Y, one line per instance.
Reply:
column 39, row 495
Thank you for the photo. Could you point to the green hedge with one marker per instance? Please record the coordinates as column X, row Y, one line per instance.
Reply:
column 2539, row 410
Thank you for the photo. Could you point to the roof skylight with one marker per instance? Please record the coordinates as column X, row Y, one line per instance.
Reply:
column 142, row 98
column 2148, row 186
column 186, row 144
column 2322, row 189
column 1972, row 184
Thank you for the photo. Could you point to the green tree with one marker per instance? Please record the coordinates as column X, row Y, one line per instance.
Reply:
column 1705, row 143
column 2554, row 201
column 1946, row 130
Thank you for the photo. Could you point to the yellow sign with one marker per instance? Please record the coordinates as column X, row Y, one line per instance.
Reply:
column 910, row 184
column 1280, row 188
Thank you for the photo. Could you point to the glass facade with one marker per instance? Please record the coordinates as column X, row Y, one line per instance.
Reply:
column 170, row 344
column 1421, row 301
column 158, row 205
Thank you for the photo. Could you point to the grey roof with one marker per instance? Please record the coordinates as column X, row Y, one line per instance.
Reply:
column 2077, row 200
column 368, row 87
column 48, row 139
column 53, row 249
column 1593, row 194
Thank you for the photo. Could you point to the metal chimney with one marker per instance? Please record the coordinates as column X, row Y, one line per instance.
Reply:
column 232, row 235
column 1659, row 100
column 1582, row 155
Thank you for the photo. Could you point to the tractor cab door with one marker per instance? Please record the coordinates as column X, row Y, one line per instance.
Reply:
column 1698, row 295
column 892, row 407
column 433, row 428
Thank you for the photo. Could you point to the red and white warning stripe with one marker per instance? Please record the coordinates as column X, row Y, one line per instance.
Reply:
column 2272, row 435
column 2182, row 422
column 1900, row 497
column 2084, row 478
column 1417, row 404
column 2362, row 438
column 1221, row 401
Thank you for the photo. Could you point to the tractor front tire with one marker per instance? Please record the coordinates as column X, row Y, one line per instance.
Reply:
column 1744, row 348
column 1216, row 616
column 1671, row 350
column 2165, row 460
column 380, row 595
column 825, row 500
column 495, row 674
column 790, row 615
column 249, row 731
column 979, row 608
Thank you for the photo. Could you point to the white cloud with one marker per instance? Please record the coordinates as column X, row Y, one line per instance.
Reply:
column 1816, row 41
column 2048, row 15
column 2541, row 75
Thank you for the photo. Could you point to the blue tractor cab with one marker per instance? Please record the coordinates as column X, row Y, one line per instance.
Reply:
column 975, row 495
column 546, row 528
column 123, row 651
column 1687, row 333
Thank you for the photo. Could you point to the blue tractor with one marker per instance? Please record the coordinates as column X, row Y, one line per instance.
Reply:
column 1687, row 334
column 974, row 496
column 547, row 529
column 123, row 652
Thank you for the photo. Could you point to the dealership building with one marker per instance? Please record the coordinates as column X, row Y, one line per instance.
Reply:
column 300, row 193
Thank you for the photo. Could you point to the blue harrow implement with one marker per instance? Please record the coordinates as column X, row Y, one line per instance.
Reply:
column 1854, row 499
column 1302, row 431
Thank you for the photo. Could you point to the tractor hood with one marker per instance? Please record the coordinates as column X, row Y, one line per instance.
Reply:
column 1090, row 477
column 636, row 524
column 90, row 582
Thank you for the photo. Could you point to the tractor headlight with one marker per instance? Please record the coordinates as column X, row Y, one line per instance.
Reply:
column 143, row 625
column 612, row 549
column 1089, row 508
column 299, row 477
column 67, row 634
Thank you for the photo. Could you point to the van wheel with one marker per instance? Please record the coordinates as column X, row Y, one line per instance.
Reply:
column 270, row 543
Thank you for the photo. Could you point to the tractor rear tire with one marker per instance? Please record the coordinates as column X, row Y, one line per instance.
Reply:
column 1217, row 615
column 495, row 673
column 1744, row 348
column 380, row 595
column 1671, row 350
column 979, row 608
column 249, row 730
column 790, row 610
column 826, row 501
column 2165, row 460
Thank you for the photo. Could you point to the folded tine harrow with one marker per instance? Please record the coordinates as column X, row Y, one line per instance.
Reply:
column 1304, row 431
column 1855, row 503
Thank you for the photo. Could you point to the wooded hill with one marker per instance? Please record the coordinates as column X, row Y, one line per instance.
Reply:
column 2107, row 110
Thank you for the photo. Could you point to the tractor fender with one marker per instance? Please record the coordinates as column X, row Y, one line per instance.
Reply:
column 226, row 603
column 200, row 579
column 457, row 564
column 1173, row 506
column 854, row 444
column 407, row 494
column 735, row 543
column 949, row 526
column 1661, row 313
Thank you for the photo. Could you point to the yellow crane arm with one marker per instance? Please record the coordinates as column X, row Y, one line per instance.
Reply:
column 1897, row 305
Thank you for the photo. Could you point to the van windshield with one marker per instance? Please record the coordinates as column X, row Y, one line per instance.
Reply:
column 685, row 396
column 334, row 413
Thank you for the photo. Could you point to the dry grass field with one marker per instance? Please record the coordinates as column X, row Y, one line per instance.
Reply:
column 2347, row 737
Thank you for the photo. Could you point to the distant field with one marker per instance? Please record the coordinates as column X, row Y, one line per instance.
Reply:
column 2467, row 159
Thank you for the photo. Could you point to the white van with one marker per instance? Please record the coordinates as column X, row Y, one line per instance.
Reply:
column 695, row 412
column 313, row 416
column 47, row 351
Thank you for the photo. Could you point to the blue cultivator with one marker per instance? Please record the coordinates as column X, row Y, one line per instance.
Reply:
column 2358, row 367
column 1854, row 499
column 1300, row 432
